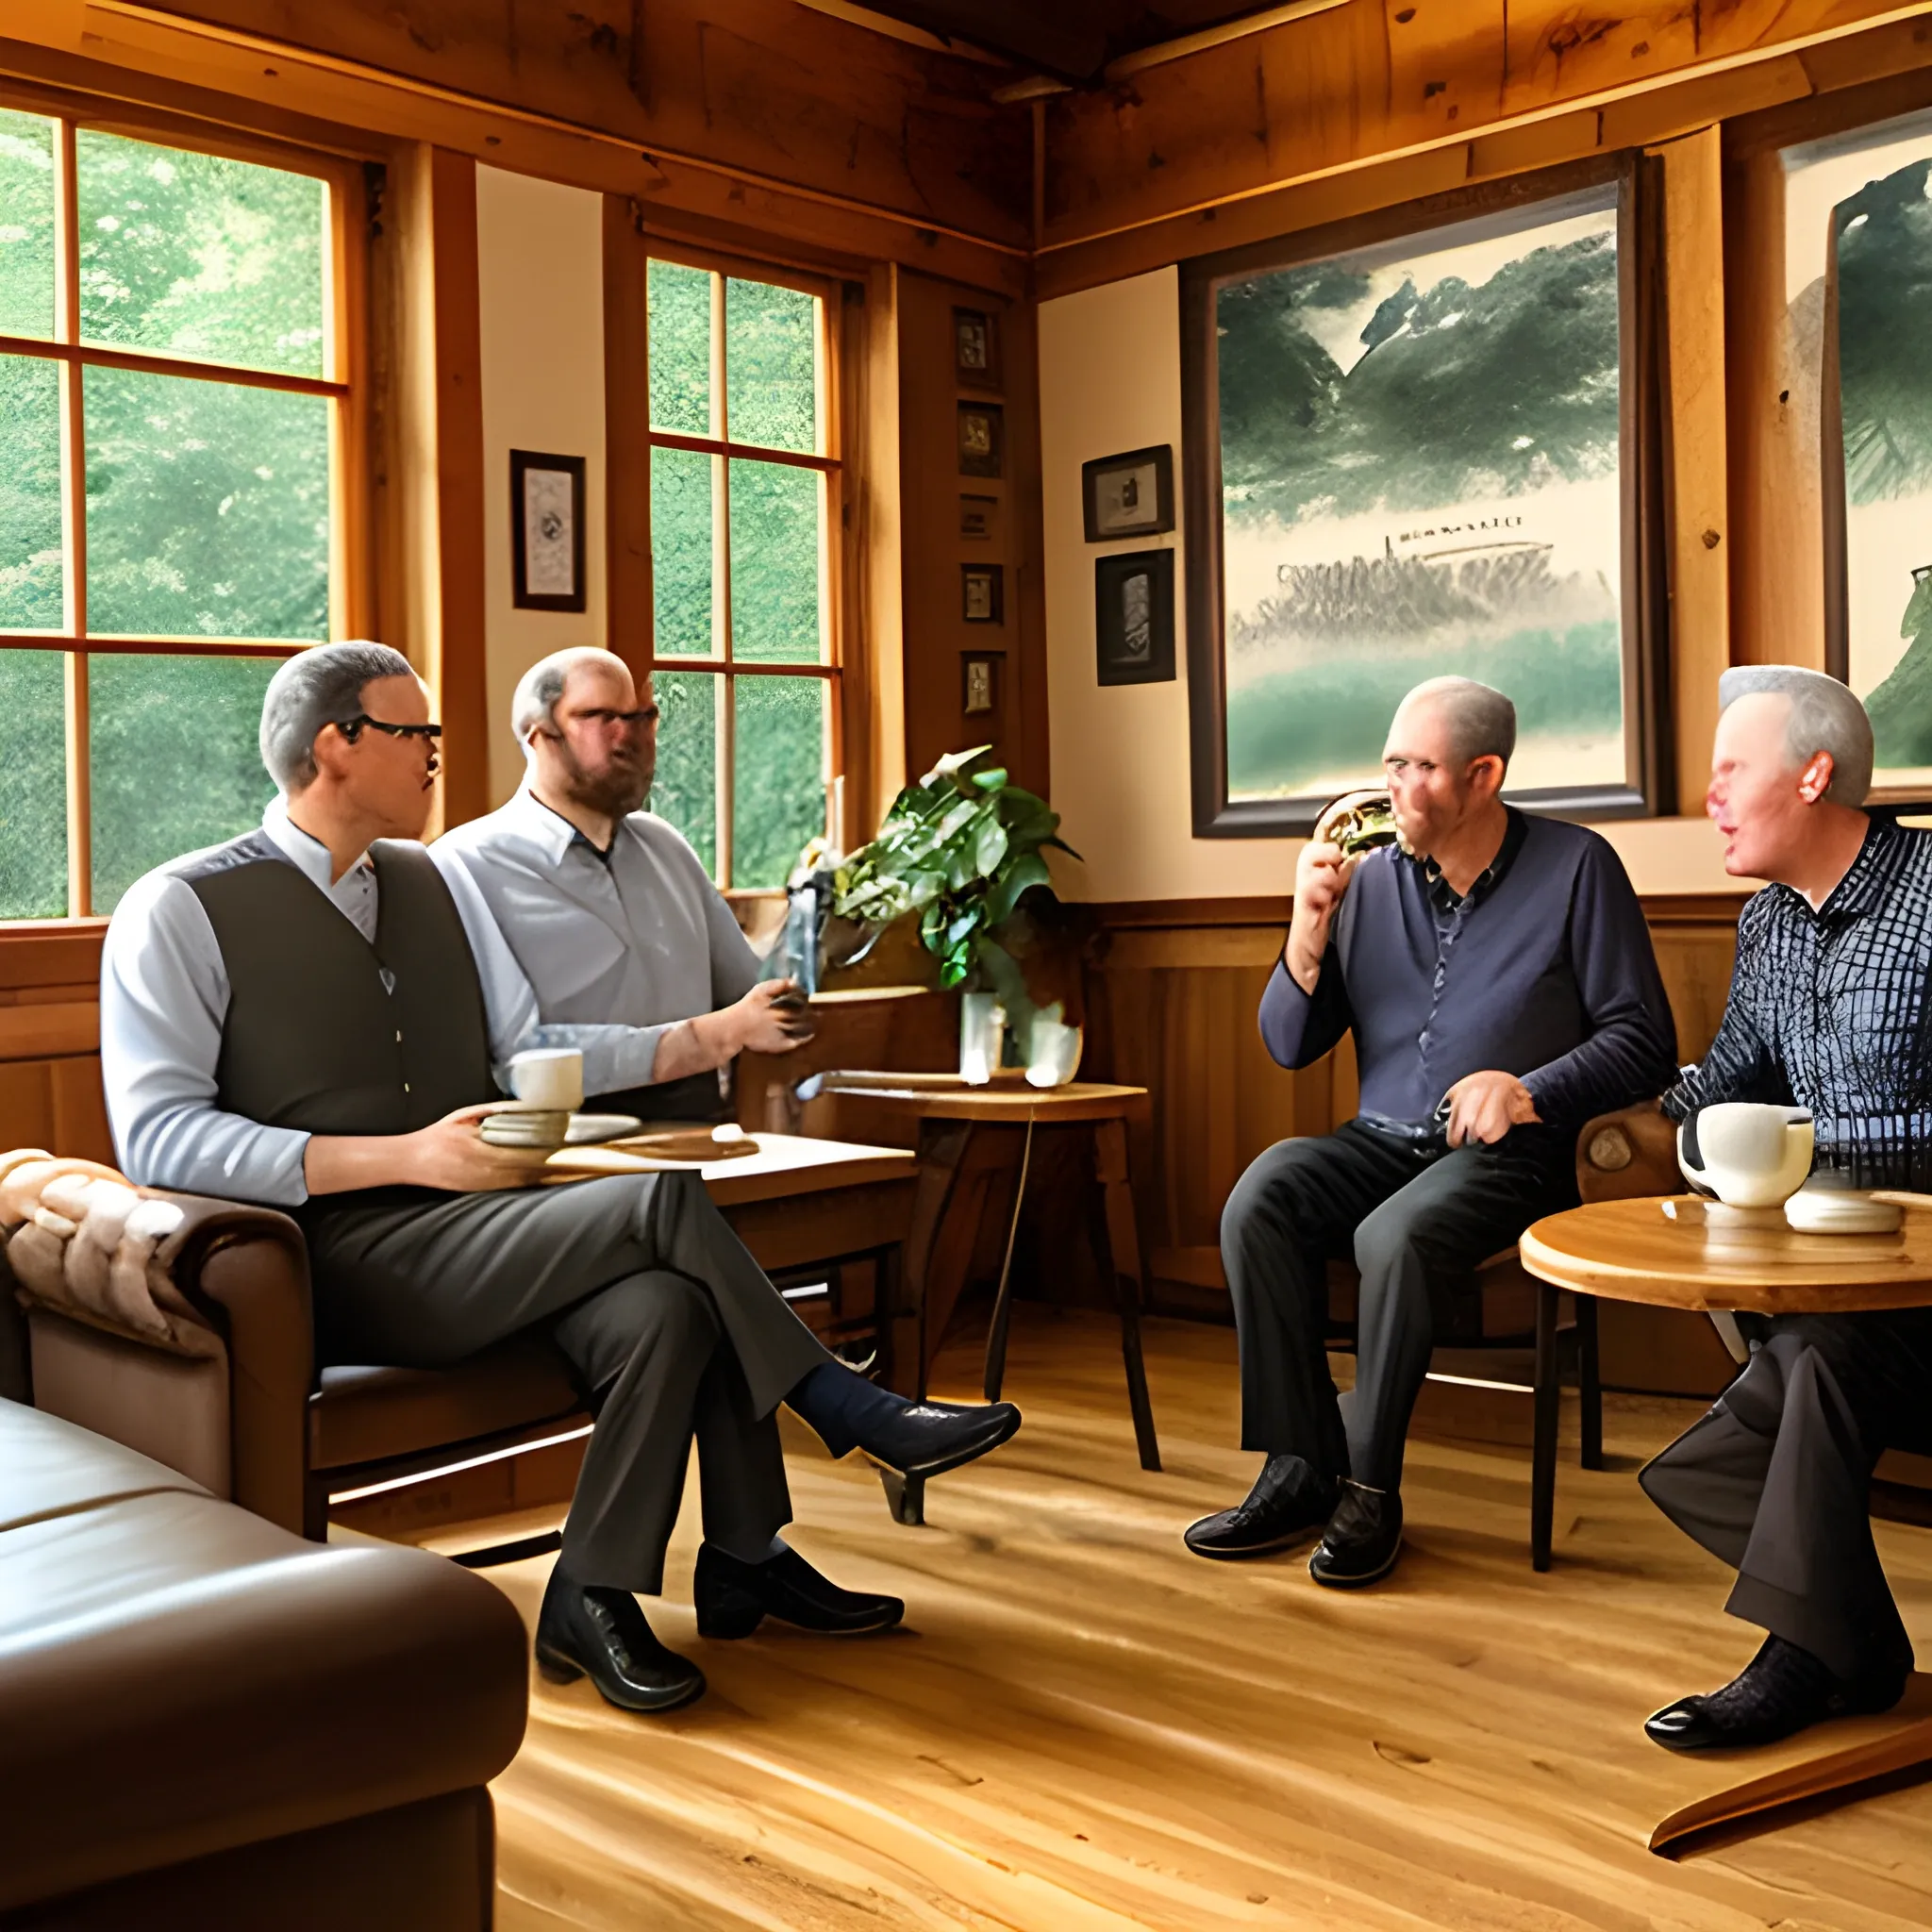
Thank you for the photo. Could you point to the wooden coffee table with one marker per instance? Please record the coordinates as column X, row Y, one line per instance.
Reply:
column 1634, row 1251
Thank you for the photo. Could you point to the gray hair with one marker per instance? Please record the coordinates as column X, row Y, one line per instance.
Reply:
column 1824, row 716
column 320, row 686
column 1482, row 722
column 543, row 684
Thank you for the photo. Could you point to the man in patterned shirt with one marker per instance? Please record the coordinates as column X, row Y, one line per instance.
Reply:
column 1827, row 1010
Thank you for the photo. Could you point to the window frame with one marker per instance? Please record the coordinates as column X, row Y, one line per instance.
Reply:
column 830, row 462
column 343, row 384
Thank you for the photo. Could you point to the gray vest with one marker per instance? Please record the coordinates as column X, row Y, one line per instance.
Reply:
column 326, row 1032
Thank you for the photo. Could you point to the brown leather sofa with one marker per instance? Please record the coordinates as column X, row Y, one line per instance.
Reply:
column 205, row 1722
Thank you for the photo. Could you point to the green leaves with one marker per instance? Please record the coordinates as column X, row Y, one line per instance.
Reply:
column 960, row 848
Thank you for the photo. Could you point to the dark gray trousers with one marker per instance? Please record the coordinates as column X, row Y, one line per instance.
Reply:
column 672, row 1329
column 1776, row 1479
column 1413, row 1218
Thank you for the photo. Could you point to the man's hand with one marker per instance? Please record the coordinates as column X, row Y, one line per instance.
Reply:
column 448, row 1153
column 772, row 1018
column 1484, row 1106
column 1321, row 878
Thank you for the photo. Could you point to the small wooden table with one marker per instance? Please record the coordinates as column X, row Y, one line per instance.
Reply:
column 1633, row 1251
column 965, row 1138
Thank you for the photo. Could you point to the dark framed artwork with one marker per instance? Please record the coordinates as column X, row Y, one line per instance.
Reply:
column 546, row 518
column 983, row 592
column 982, row 439
column 1133, row 617
column 1128, row 496
column 1420, row 443
column 979, row 518
column 979, row 681
column 976, row 348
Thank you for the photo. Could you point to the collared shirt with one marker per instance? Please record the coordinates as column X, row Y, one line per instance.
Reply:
column 635, row 938
column 1828, row 1011
column 164, row 996
column 1543, row 969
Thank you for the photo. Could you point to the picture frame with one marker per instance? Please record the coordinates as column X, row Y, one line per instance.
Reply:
column 1133, row 617
column 1297, row 546
column 1128, row 496
column 977, row 347
column 982, row 439
column 983, row 592
column 546, row 521
column 979, row 682
column 979, row 518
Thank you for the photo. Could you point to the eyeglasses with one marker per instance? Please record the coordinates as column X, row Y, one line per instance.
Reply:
column 351, row 728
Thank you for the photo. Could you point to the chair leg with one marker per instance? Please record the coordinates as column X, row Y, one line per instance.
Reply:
column 1590, row 1387
column 1543, row 1479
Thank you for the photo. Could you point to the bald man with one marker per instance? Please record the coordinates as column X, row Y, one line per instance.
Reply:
column 1497, row 975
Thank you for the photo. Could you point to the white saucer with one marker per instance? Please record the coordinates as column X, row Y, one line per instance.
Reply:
column 1842, row 1210
column 511, row 1128
column 592, row 1129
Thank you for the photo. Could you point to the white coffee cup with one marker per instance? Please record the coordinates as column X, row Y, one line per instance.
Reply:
column 548, row 1077
column 1750, row 1154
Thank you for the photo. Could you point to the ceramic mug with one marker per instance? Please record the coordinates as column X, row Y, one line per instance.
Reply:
column 1746, row 1153
column 548, row 1077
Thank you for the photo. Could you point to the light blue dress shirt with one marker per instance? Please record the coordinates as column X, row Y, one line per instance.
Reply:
column 164, row 996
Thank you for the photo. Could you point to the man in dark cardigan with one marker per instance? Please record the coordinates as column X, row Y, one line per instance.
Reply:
column 1497, row 975
column 303, row 1017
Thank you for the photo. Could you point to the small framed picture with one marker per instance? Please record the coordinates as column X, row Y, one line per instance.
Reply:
column 982, row 592
column 1130, row 495
column 979, row 681
column 979, row 518
column 546, row 520
column 1133, row 617
column 976, row 348
column 982, row 438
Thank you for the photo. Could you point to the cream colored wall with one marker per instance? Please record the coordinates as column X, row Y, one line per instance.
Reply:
column 1110, row 379
column 540, row 291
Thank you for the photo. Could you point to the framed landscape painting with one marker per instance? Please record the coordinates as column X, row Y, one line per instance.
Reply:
column 1422, row 449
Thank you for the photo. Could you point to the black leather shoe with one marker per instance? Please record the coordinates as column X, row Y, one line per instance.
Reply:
column 1362, row 1541
column 584, row 1630
column 1289, row 1504
column 1781, row 1690
column 926, row 1438
column 734, row 1597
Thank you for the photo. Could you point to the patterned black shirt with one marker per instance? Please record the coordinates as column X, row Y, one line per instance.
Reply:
column 1828, row 1011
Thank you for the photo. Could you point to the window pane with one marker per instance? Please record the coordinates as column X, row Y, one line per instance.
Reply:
column 27, row 225
column 30, row 546
column 779, row 789
column 775, row 562
column 680, row 326
column 172, row 760
column 681, row 552
column 207, row 509
column 199, row 254
column 33, row 786
column 770, row 365
column 685, row 791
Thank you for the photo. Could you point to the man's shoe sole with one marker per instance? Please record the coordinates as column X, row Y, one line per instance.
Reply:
column 1287, row 1540
column 1331, row 1581
column 561, row 1669
column 924, row 1471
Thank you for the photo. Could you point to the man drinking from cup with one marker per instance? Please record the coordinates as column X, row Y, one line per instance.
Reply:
column 303, row 1017
column 1827, row 1011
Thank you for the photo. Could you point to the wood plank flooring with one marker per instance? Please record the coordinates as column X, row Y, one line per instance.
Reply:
column 1082, row 1728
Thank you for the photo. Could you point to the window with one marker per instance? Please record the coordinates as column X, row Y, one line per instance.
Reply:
column 172, row 392
column 1410, row 455
column 1858, row 275
column 744, row 494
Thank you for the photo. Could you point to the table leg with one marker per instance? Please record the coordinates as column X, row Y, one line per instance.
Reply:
column 1543, row 1479
column 942, row 1150
column 1117, row 1246
column 1589, row 1386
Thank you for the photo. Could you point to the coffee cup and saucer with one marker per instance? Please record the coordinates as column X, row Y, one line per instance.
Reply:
column 1752, row 1162
column 548, row 1083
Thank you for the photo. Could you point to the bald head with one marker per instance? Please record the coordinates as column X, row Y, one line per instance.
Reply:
column 1480, row 722
column 546, row 681
column 588, row 735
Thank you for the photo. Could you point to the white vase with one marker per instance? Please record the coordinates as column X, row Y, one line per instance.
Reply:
column 982, row 1037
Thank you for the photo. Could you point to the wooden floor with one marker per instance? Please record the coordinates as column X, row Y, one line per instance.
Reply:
column 1083, row 1727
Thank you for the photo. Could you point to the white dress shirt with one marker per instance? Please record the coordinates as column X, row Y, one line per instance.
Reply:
column 164, row 996
column 636, row 938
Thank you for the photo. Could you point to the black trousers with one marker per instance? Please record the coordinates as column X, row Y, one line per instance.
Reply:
column 1776, row 1479
column 672, row 1329
column 1413, row 1218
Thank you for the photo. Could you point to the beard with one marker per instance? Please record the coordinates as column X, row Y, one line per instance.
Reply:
column 617, row 791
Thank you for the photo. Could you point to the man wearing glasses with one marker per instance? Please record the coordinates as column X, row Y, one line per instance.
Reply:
column 305, row 1017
